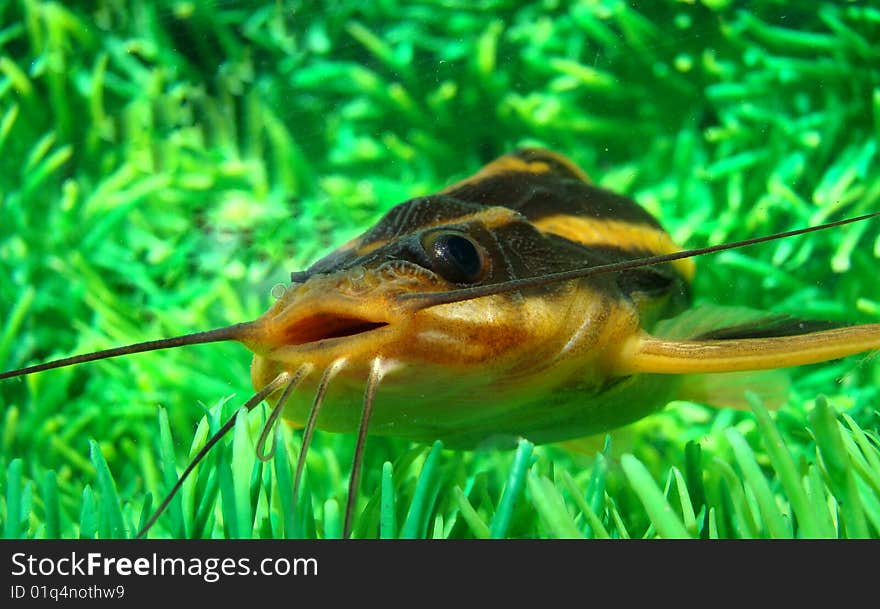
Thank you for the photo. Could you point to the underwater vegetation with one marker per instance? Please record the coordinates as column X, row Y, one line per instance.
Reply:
column 164, row 164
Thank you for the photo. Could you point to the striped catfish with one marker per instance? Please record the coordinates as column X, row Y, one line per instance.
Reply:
column 523, row 301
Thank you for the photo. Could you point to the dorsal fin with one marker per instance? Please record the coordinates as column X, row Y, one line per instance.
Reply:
column 718, row 322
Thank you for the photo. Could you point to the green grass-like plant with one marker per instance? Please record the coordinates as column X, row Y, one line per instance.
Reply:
column 164, row 164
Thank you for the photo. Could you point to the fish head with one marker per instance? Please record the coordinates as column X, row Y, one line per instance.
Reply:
column 449, row 362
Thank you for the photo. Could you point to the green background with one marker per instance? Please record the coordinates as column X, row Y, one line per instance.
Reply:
column 164, row 165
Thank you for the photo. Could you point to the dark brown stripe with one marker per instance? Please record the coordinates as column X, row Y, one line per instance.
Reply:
column 770, row 327
column 400, row 220
column 653, row 281
column 539, row 195
column 418, row 213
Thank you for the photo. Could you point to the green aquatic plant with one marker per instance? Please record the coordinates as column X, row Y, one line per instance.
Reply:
column 163, row 165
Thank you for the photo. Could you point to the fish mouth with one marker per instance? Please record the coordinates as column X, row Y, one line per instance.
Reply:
column 324, row 326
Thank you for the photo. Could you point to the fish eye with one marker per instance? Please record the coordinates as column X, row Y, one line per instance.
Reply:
column 455, row 256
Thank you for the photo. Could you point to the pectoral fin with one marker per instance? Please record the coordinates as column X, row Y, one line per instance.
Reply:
column 710, row 321
column 728, row 389
column 644, row 353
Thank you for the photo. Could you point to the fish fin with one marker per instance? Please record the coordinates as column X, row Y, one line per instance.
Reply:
column 725, row 322
column 728, row 389
column 643, row 353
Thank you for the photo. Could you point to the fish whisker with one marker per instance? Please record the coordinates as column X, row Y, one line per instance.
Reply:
column 309, row 429
column 298, row 376
column 377, row 370
column 270, row 388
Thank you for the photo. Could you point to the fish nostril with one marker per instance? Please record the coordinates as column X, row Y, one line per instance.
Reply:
column 322, row 326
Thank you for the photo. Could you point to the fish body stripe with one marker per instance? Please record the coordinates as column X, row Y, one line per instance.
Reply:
column 532, row 161
column 639, row 238
column 489, row 217
column 539, row 195
column 537, row 214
